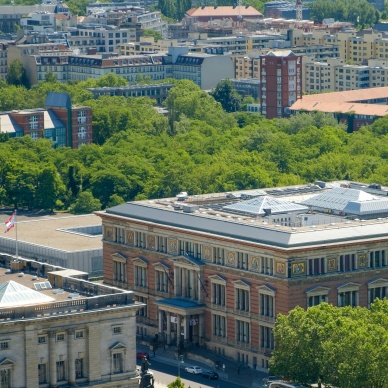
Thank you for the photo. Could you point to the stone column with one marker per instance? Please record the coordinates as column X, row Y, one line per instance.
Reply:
column 160, row 322
column 199, row 285
column 193, row 290
column 168, row 338
column 186, row 329
column 70, row 356
column 178, row 328
column 52, row 360
column 201, row 328
column 175, row 280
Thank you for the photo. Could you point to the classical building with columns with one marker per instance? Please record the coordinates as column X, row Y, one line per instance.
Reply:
column 59, row 329
column 216, row 269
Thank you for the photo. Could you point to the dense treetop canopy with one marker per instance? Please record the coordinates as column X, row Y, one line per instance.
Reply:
column 200, row 148
column 342, row 347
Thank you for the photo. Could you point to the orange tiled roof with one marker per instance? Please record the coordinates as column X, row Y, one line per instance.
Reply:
column 224, row 12
column 340, row 107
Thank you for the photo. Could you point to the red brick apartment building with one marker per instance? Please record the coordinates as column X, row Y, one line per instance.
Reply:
column 64, row 124
column 280, row 82
column 355, row 108
column 216, row 269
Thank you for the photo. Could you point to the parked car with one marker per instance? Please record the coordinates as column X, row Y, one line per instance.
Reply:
column 268, row 380
column 194, row 369
column 209, row 374
column 141, row 355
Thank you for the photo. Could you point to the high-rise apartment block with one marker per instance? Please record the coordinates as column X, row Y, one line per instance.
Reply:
column 280, row 82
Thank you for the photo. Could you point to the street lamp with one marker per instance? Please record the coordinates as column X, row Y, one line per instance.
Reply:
column 180, row 361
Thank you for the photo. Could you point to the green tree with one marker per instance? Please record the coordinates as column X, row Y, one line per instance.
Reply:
column 152, row 33
column 16, row 74
column 50, row 187
column 85, row 204
column 177, row 383
column 50, row 77
column 227, row 95
column 328, row 345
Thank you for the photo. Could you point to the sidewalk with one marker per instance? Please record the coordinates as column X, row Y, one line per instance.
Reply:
column 247, row 377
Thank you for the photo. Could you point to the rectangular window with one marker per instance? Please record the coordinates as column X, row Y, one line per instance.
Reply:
column 161, row 281
column 316, row 300
column 60, row 337
column 140, row 276
column 377, row 259
column 242, row 331
column 119, row 271
column 241, row 299
column 219, row 256
column 316, row 266
column 42, row 373
column 266, row 266
column 79, row 334
column 4, row 345
column 218, row 294
column 219, row 326
column 118, row 363
column 42, row 339
column 267, row 305
column 266, row 338
column 143, row 311
column 378, row 292
column 242, row 260
column 61, row 371
column 117, row 329
column 347, row 263
column 349, row 298
column 79, row 368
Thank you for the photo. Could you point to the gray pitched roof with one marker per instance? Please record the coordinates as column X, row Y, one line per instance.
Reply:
column 339, row 198
column 14, row 294
column 257, row 206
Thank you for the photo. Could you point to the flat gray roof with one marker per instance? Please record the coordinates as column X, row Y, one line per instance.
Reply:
column 209, row 218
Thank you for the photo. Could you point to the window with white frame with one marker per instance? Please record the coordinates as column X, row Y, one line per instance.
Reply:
column 140, row 276
column 266, row 265
column 377, row 259
column 219, row 256
column 242, row 331
column 119, row 269
column 219, row 325
column 347, row 262
column 316, row 266
column 143, row 312
column 377, row 288
column 117, row 363
column 266, row 301
column 242, row 260
column 241, row 299
column 317, row 295
column 161, row 280
column 218, row 293
column 348, row 295
column 266, row 338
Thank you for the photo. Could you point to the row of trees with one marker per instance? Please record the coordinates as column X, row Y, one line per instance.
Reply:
column 359, row 12
column 198, row 148
column 341, row 347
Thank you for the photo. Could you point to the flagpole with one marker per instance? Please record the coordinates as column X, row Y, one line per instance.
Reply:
column 16, row 228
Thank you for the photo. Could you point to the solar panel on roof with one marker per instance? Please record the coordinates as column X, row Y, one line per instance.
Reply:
column 42, row 286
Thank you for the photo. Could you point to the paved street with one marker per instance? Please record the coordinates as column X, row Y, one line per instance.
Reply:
column 165, row 366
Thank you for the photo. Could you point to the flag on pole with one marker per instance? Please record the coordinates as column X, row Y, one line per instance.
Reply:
column 10, row 223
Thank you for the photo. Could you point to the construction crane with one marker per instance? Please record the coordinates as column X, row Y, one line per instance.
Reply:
column 299, row 8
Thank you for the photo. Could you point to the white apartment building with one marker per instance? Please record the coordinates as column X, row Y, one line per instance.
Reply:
column 59, row 329
column 335, row 75
column 104, row 38
column 41, row 21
